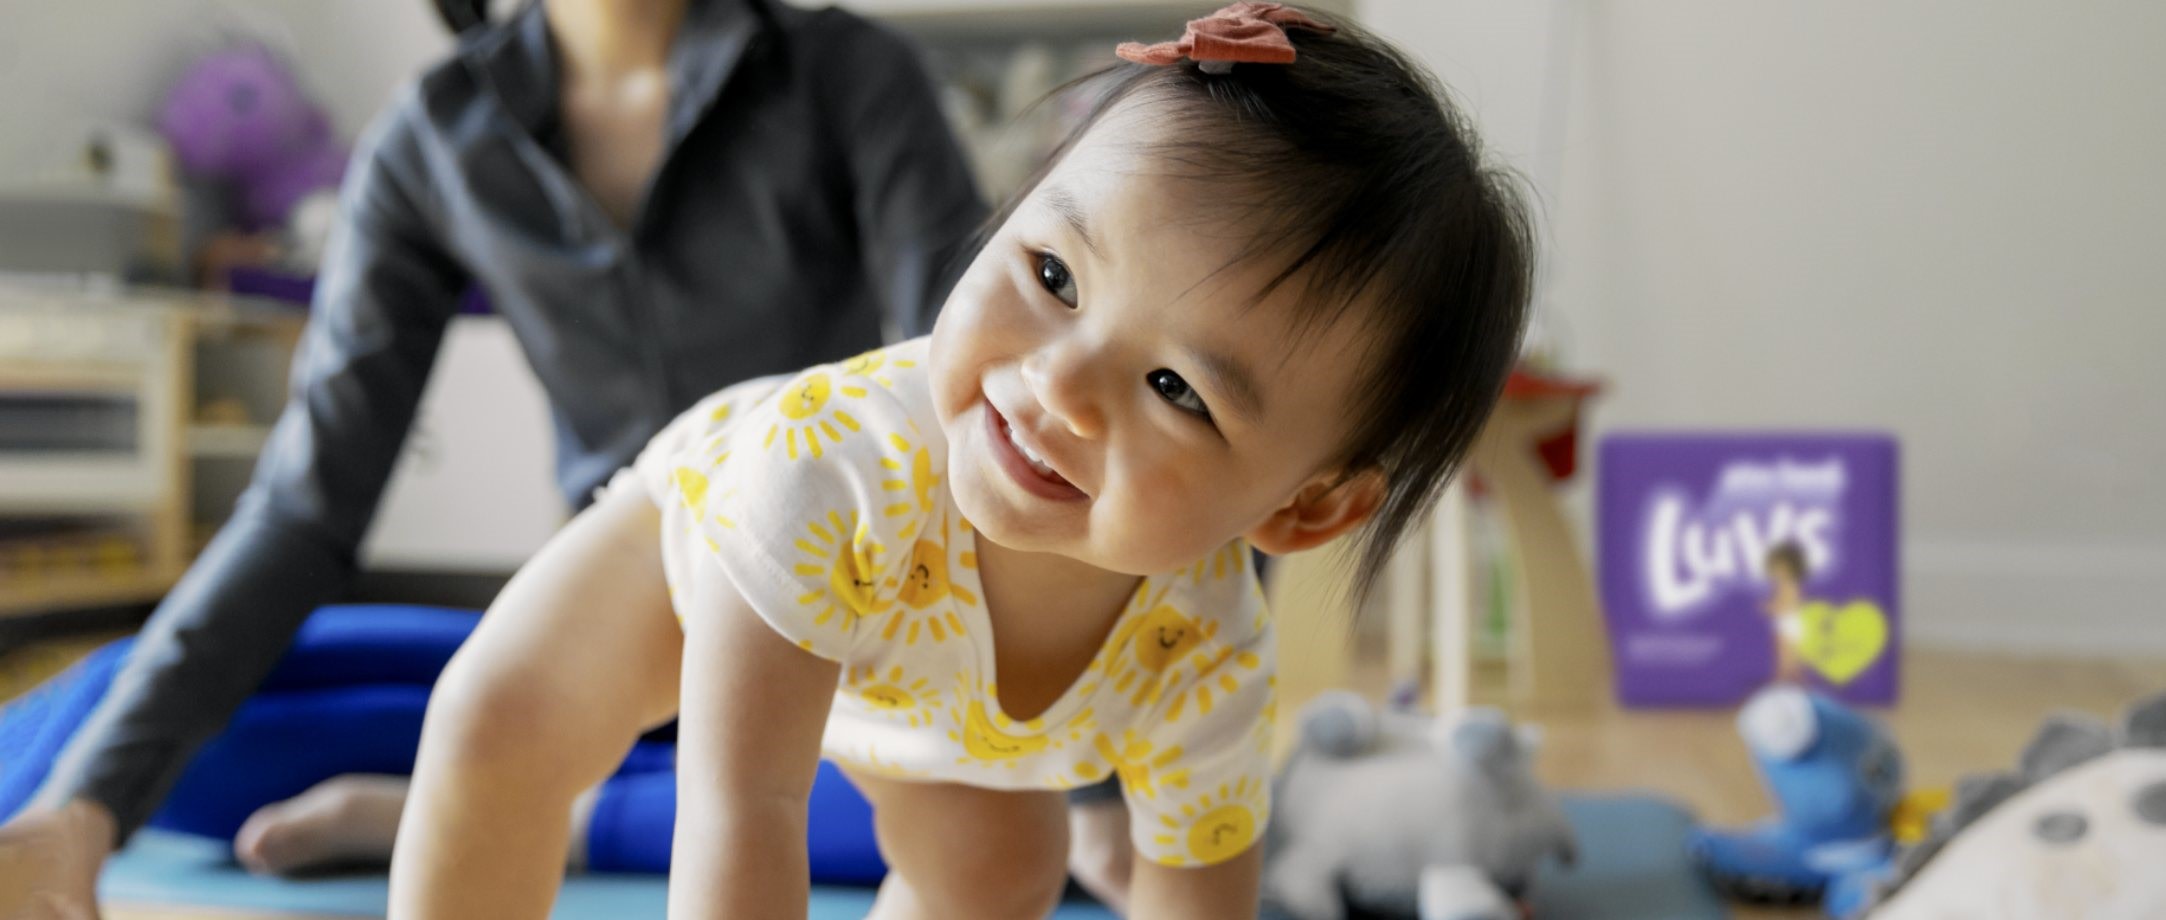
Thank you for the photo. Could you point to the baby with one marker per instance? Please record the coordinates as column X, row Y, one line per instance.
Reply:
column 1265, row 296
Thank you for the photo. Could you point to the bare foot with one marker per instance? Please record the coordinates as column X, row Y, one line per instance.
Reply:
column 342, row 820
column 49, row 862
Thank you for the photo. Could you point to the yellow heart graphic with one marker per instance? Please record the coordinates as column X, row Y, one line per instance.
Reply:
column 1841, row 643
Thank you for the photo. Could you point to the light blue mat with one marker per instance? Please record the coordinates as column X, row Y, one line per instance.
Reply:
column 167, row 869
column 1633, row 866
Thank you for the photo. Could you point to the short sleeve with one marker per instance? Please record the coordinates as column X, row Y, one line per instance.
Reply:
column 1199, row 786
column 807, row 503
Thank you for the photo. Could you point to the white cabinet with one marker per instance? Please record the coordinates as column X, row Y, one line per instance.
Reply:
column 474, row 490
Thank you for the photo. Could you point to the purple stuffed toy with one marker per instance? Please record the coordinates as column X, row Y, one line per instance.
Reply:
column 239, row 116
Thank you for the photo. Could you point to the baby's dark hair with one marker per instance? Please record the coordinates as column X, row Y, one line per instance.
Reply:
column 1358, row 172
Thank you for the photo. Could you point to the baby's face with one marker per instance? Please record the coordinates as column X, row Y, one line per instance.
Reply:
column 1110, row 388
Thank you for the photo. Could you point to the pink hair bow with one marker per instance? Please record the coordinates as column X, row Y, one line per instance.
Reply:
column 1240, row 33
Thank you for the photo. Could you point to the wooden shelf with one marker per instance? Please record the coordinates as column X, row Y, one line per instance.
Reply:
column 40, row 594
column 236, row 442
column 77, row 483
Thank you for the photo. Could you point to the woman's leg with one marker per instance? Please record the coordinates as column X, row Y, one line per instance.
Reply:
column 631, row 820
column 339, row 647
column 35, row 726
column 577, row 656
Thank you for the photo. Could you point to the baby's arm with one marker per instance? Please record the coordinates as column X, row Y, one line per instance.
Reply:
column 577, row 655
column 1223, row 890
column 748, row 743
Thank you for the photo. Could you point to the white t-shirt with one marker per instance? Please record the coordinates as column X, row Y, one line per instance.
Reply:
column 823, row 499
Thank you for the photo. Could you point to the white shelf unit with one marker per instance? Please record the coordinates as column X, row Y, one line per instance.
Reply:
column 102, row 485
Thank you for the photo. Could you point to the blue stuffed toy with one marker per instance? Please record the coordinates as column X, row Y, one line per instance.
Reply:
column 1836, row 778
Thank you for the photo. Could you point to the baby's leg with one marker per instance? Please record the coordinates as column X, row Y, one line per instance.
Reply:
column 966, row 853
column 1099, row 854
column 578, row 654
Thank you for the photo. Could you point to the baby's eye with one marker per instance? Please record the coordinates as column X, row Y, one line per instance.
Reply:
column 1054, row 275
column 1177, row 391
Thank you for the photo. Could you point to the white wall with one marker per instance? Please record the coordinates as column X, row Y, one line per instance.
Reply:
column 1940, row 218
column 62, row 63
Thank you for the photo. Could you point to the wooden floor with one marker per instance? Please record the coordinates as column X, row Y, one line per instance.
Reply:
column 1960, row 713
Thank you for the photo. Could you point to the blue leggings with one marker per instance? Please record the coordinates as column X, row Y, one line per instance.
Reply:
column 348, row 698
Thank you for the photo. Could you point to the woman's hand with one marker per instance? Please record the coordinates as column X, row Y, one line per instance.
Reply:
column 49, row 861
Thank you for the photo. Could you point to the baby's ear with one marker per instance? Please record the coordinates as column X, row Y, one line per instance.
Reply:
column 1320, row 512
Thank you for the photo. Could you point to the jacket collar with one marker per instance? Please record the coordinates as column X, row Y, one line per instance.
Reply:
column 518, row 61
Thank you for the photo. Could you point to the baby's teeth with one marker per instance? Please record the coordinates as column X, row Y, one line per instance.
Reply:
column 1035, row 460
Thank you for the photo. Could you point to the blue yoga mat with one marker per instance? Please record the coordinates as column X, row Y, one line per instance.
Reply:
column 1633, row 866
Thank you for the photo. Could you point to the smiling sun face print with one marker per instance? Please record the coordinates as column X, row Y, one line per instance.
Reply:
column 895, row 695
column 921, row 586
column 1163, row 636
column 874, row 365
column 843, row 551
column 1149, row 647
column 985, row 742
column 1214, row 827
column 812, row 407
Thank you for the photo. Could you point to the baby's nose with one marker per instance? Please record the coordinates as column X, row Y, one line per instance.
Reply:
column 1064, row 382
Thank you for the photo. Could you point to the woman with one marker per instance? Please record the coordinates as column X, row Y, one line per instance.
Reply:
column 660, row 197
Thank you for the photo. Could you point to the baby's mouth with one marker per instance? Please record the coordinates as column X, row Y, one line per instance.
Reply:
column 1037, row 463
column 1029, row 469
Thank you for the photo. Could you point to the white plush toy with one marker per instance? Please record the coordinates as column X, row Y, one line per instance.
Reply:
column 1399, row 815
column 2079, row 832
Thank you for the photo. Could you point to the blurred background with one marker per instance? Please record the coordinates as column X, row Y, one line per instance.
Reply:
column 1935, row 225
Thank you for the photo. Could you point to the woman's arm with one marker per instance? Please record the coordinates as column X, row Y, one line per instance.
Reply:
column 916, row 202
column 748, row 743
column 387, row 293
column 1227, row 890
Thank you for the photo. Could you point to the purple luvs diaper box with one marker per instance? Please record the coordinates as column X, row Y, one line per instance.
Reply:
column 1731, row 561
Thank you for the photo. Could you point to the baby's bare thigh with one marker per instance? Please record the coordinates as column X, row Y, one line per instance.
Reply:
column 961, row 852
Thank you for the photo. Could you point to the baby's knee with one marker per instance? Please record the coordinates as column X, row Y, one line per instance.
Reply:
column 1000, row 882
column 1099, row 854
column 490, row 716
column 1024, row 888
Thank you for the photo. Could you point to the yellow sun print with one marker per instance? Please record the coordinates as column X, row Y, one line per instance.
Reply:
column 691, row 486
column 842, row 550
column 894, row 695
column 1141, row 766
column 985, row 743
column 910, row 472
column 1213, row 829
column 1150, row 646
column 922, row 584
column 1231, row 559
column 811, row 410
column 874, row 365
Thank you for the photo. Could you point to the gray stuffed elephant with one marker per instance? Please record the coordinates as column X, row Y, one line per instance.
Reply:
column 1399, row 815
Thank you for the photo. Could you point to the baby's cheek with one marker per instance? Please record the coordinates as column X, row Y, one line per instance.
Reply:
column 1165, row 528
